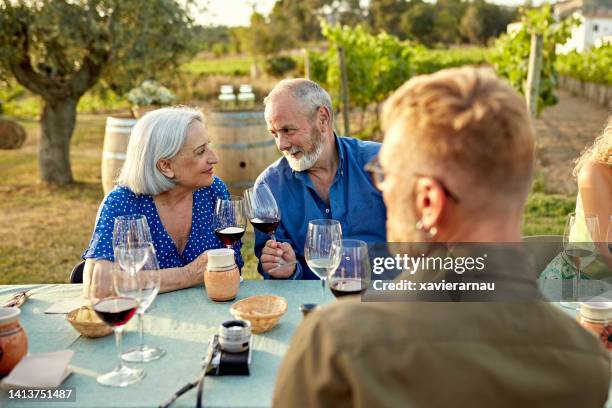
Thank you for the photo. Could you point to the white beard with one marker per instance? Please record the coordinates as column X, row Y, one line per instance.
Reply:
column 306, row 161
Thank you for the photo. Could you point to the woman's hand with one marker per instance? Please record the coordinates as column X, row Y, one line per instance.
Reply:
column 195, row 270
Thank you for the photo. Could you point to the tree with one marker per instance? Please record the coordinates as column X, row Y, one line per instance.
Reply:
column 418, row 22
column 483, row 21
column 60, row 49
column 386, row 15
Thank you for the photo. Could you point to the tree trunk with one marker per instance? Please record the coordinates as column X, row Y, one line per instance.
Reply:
column 57, row 125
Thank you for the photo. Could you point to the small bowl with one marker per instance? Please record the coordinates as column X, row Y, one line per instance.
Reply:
column 92, row 327
column 262, row 311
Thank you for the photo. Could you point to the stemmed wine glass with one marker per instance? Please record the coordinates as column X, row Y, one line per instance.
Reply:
column 142, row 284
column 115, row 310
column 353, row 266
column 318, row 252
column 263, row 212
column 131, row 230
column 134, row 250
column 262, row 209
column 579, row 249
column 229, row 220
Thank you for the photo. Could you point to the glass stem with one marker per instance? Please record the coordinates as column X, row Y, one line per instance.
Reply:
column 118, row 332
column 140, row 330
column 323, row 285
column 578, row 278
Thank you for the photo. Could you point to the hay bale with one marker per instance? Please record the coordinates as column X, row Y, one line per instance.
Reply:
column 12, row 134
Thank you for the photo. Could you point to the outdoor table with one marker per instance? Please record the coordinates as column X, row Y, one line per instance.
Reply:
column 181, row 323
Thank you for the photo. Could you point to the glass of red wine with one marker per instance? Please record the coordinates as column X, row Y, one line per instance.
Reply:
column 262, row 209
column 581, row 234
column 263, row 212
column 115, row 310
column 229, row 220
column 352, row 270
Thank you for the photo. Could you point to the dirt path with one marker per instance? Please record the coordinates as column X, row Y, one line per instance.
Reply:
column 563, row 131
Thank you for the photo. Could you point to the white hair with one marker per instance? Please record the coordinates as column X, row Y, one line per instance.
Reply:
column 158, row 135
column 308, row 93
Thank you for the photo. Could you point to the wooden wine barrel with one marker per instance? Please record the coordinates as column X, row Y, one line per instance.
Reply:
column 243, row 145
column 116, row 137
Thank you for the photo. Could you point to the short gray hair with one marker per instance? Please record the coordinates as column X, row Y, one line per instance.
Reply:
column 159, row 134
column 308, row 93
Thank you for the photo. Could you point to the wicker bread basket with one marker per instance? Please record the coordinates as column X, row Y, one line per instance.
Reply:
column 263, row 311
column 93, row 327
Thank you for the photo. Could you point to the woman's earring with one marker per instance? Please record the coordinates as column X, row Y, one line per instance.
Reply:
column 433, row 231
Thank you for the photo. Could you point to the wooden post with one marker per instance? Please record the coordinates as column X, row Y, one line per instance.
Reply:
column 533, row 75
column 345, row 95
column 306, row 64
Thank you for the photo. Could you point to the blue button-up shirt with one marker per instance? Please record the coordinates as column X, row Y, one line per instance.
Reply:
column 353, row 200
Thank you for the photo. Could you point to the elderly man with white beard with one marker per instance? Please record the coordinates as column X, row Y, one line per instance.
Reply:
column 320, row 176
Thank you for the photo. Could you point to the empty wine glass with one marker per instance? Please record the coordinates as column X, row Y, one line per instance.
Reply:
column 115, row 310
column 143, row 285
column 318, row 252
column 131, row 230
column 229, row 220
column 262, row 209
column 347, row 278
column 581, row 232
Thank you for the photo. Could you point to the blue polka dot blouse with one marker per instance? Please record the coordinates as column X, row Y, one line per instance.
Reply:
column 122, row 201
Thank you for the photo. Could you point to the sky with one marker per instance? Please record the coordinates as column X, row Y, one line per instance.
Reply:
column 237, row 12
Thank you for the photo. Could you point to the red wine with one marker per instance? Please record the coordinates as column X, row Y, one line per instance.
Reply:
column 229, row 235
column 265, row 225
column 116, row 311
column 346, row 287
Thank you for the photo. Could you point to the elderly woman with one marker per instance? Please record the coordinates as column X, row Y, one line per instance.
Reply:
column 593, row 173
column 168, row 177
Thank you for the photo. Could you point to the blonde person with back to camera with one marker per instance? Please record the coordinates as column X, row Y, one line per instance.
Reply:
column 466, row 180
column 168, row 176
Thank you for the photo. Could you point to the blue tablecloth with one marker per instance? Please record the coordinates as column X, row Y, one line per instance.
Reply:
column 180, row 322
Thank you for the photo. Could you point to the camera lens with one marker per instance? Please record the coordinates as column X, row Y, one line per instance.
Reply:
column 234, row 336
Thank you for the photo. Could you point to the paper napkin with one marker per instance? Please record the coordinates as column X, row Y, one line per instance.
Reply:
column 42, row 370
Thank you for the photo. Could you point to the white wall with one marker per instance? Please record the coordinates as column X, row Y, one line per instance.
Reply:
column 589, row 33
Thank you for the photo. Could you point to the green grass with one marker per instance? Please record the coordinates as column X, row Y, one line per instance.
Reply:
column 545, row 214
column 233, row 66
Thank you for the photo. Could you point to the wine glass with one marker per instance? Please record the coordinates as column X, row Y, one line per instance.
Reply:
column 115, row 310
column 229, row 221
column 143, row 285
column 263, row 212
column 262, row 209
column 352, row 268
column 318, row 247
column 581, row 232
column 131, row 230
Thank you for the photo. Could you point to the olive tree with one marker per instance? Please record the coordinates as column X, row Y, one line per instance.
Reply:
column 59, row 49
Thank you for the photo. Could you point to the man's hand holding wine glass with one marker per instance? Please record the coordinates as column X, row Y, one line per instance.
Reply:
column 273, row 257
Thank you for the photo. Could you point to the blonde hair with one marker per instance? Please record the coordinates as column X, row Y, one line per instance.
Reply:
column 159, row 134
column 469, row 122
column 600, row 151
